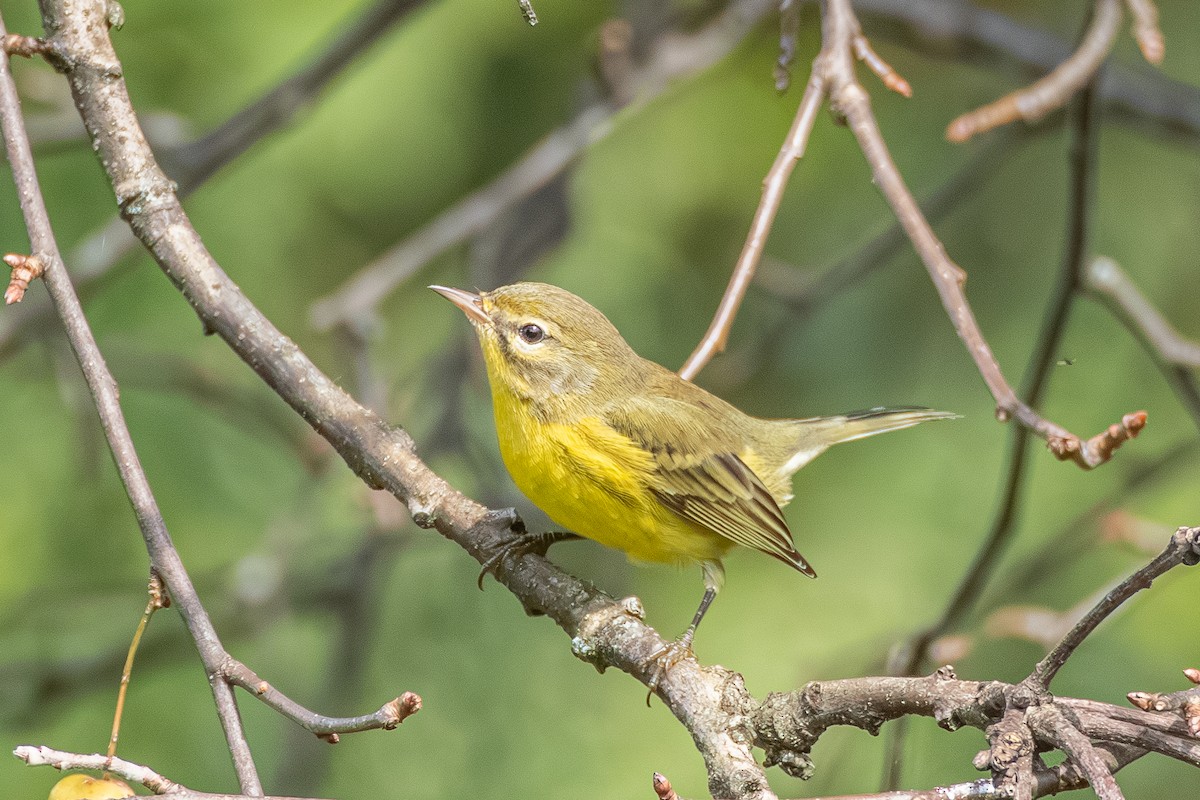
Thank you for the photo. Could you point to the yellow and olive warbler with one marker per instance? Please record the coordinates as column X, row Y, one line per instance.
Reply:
column 623, row 451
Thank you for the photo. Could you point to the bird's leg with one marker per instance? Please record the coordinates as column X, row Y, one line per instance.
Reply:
column 523, row 542
column 672, row 653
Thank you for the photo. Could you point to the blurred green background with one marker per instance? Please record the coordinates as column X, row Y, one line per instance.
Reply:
column 342, row 603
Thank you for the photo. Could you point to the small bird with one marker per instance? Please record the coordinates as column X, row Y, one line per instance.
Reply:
column 625, row 452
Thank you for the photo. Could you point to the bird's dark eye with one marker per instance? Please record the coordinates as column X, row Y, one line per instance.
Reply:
column 530, row 333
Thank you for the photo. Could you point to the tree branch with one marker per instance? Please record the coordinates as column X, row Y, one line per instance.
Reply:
column 1054, row 90
column 164, row 559
column 1183, row 549
column 135, row 773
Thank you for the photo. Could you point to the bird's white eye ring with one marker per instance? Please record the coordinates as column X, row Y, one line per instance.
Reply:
column 530, row 333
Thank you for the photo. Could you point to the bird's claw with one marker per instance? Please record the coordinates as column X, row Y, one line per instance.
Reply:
column 664, row 658
column 524, row 542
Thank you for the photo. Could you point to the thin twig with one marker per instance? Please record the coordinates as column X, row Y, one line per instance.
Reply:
column 717, row 335
column 194, row 163
column 158, row 599
column 135, row 773
column 1054, row 90
column 165, row 560
column 1105, row 278
column 1145, row 29
column 1184, row 549
column 391, row 714
column 852, row 100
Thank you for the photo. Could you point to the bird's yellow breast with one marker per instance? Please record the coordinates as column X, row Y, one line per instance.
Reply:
column 594, row 481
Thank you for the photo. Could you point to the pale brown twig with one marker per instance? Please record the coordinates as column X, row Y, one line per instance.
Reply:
column 135, row 773
column 1105, row 278
column 391, row 714
column 846, row 94
column 715, row 337
column 24, row 269
column 1145, row 29
column 1052, row 91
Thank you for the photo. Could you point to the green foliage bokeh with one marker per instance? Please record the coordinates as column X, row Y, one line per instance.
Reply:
column 658, row 212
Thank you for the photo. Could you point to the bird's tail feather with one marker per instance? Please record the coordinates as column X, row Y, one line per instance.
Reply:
column 817, row 434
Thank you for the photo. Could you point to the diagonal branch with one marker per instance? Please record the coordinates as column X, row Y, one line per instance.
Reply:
column 1184, row 549
column 164, row 559
column 841, row 28
column 603, row 631
column 192, row 164
column 1054, row 90
column 715, row 337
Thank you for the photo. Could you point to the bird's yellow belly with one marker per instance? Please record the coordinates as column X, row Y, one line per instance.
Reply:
column 594, row 483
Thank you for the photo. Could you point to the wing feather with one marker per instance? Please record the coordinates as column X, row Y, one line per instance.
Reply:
column 716, row 490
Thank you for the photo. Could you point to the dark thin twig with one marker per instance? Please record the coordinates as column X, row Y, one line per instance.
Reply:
column 670, row 57
column 1184, row 549
column 197, row 161
column 164, row 559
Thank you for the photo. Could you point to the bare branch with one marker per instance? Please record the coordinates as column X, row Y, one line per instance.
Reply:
column 1107, row 280
column 164, row 559
column 135, row 773
column 1184, row 549
column 391, row 714
column 849, row 97
column 1145, row 29
column 1054, row 90
column 717, row 335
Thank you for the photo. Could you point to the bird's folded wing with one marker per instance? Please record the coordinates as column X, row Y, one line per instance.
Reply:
column 716, row 490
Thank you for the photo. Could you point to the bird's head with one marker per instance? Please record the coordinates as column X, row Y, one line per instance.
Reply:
column 542, row 342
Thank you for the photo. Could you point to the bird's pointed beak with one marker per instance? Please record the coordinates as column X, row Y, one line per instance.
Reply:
column 471, row 304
